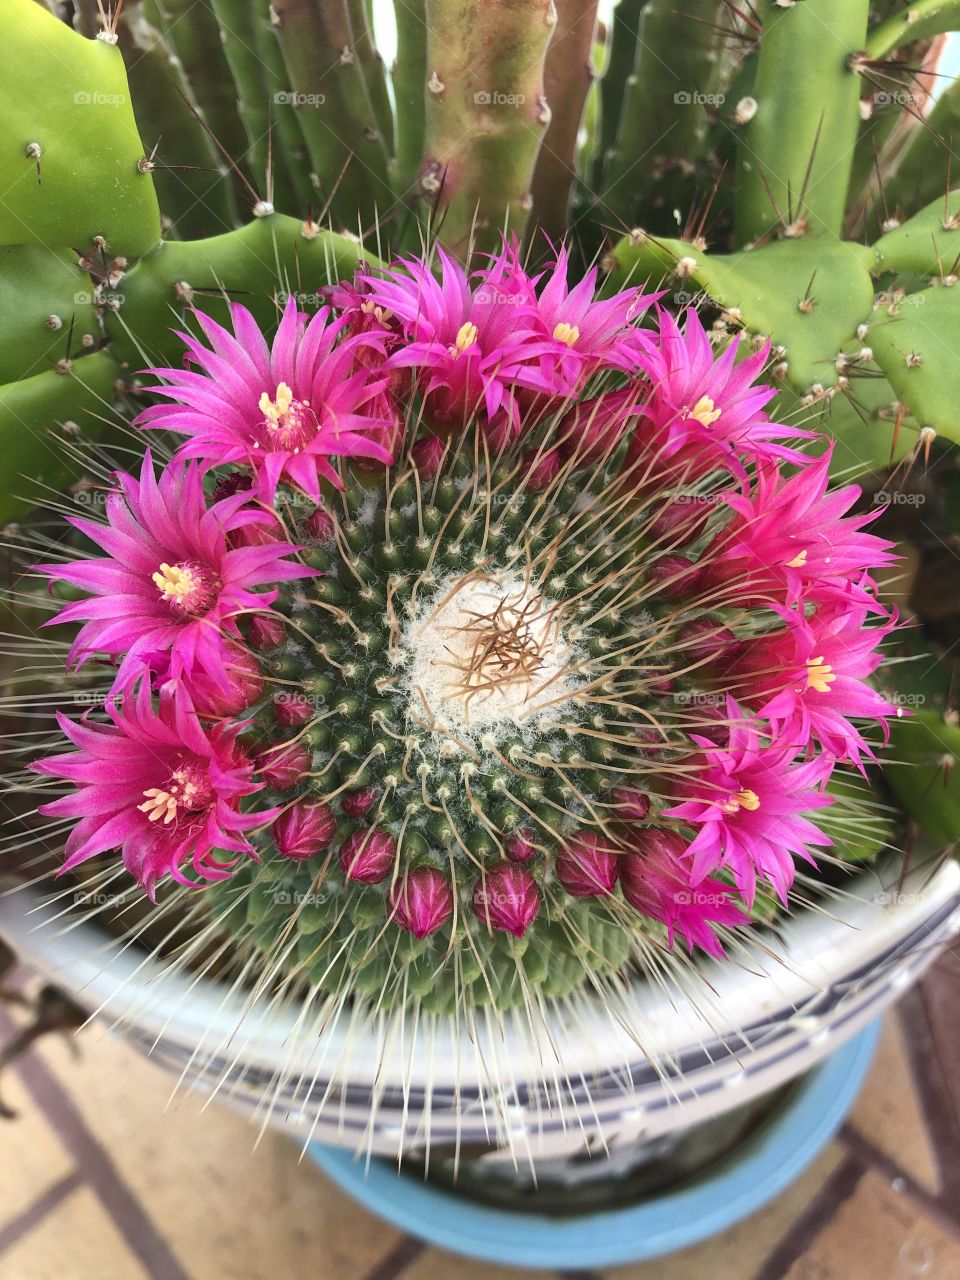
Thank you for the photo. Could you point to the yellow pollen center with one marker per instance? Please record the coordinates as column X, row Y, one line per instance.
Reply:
column 275, row 409
column 747, row 799
column 159, row 804
column 568, row 333
column 799, row 560
column 174, row 581
column 466, row 337
column 705, row 412
column 820, row 675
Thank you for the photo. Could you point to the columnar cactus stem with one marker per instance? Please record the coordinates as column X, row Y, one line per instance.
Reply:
column 915, row 21
column 258, row 110
column 666, row 105
column 371, row 69
column 622, row 59
column 487, row 113
column 288, row 136
column 410, row 77
column 568, row 75
column 345, row 146
column 796, row 151
column 194, row 35
column 199, row 188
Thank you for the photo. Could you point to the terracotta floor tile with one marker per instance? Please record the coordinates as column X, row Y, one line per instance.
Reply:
column 228, row 1211
column 889, row 1112
column 31, row 1157
column 75, row 1242
column 880, row 1234
column 738, row 1253
column 437, row 1264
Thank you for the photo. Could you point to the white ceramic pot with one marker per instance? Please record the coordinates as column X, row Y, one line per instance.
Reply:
column 658, row 1059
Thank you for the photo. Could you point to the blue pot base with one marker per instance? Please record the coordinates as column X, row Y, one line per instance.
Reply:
column 788, row 1143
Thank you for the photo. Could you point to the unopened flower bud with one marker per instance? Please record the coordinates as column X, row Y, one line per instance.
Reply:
column 303, row 831
column 507, row 899
column 422, row 902
column 587, row 867
column 368, row 855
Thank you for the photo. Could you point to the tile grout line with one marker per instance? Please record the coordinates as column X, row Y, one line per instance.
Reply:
column 403, row 1253
column 101, row 1174
column 12, row 1232
column 808, row 1224
column 939, row 1115
column 872, row 1157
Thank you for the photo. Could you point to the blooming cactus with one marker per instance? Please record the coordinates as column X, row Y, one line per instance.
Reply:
column 537, row 693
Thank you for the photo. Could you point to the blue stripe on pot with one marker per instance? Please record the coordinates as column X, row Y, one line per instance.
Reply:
column 758, row 1172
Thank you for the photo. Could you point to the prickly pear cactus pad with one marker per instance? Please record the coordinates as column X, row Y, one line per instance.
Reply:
column 467, row 643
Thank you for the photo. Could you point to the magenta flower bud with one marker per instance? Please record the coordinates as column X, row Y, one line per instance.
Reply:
column 675, row 576
column 592, row 429
column 632, row 806
column 587, row 867
column 705, row 639
column 319, row 525
column 282, row 765
column 356, row 803
column 233, row 482
column 542, row 469
column 368, row 855
column 303, row 830
column 520, row 846
column 292, row 709
column 244, row 685
column 422, row 902
column 428, row 455
column 507, row 899
column 684, row 517
column 266, row 631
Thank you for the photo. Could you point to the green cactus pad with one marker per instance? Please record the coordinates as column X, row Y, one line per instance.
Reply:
column 46, row 310
column 270, row 257
column 33, row 412
column 809, row 295
column 69, row 148
column 925, row 245
column 916, row 347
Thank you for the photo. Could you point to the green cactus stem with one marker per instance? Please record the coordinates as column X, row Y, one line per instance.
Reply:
column 47, row 311
column 193, row 183
column 621, row 62
column 288, row 139
column 916, row 21
column 922, row 771
column 796, row 151
column 327, row 90
column 410, row 77
column 258, row 265
column 927, row 244
column 667, row 104
column 42, row 418
column 567, row 77
column 371, row 69
column 193, row 33
column 487, row 113
column 70, row 155
column 823, row 292
column 916, row 349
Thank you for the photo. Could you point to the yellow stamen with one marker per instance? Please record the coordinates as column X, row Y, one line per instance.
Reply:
column 747, row 799
column 568, row 333
column 466, row 337
column 175, row 582
column 820, row 675
column 705, row 412
column 274, row 410
column 159, row 804
column 799, row 560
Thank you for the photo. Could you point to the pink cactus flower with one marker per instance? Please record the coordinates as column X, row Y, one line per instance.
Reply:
column 368, row 855
column 748, row 801
column 655, row 879
column 170, row 584
column 507, row 899
column 157, row 786
column 283, row 411
column 471, row 349
column 809, row 680
column 421, row 902
column 792, row 537
column 587, row 865
column 705, row 411
column 303, row 830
